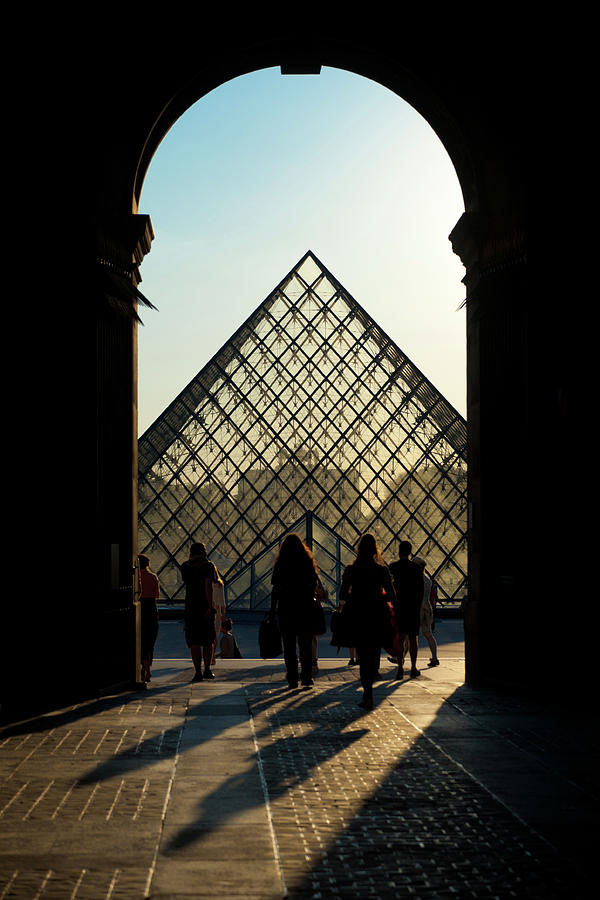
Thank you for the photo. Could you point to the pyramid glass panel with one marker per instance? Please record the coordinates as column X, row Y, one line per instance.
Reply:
column 309, row 412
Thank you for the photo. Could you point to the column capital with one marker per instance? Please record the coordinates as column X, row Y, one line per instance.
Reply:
column 464, row 238
column 486, row 247
column 123, row 242
column 121, row 245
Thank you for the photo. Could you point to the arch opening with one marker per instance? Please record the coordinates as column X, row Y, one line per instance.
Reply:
column 317, row 123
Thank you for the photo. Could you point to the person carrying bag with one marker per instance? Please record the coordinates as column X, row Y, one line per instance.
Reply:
column 269, row 637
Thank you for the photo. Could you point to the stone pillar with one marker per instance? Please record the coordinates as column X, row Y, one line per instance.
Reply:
column 121, row 245
column 501, row 466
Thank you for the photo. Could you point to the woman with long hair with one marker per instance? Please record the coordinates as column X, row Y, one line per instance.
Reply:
column 364, row 594
column 294, row 580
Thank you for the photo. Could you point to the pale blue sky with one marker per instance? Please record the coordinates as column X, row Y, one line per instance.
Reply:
column 266, row 167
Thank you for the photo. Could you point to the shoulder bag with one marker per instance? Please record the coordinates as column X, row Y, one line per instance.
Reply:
column 269, row 638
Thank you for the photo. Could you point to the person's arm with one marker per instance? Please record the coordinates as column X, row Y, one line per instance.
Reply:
column 433, row 595
column 391, row 575
column 221, row 611
column 320, row 591
column 274, row 595
column 345, row 586
column 388, row 585
column 208, row 583
column 419, row 586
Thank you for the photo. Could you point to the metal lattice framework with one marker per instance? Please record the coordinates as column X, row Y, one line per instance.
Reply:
column 250, row 588
column 310, row 406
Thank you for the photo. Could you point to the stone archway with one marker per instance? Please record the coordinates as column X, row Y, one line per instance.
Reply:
column 476, row 228
column 136, row 80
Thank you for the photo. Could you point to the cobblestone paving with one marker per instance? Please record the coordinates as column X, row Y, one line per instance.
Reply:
column 82, row 797
column 115, row 798
column 365, row 806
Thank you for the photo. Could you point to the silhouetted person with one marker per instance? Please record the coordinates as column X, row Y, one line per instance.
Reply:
column 149, row 593
column 352, row 654
column 198, row 575
column 408, row 584
column 426, row 622
column 321, row 596
column 220, row 613
column 228, row 645
column 365, row 606
column 294, row 581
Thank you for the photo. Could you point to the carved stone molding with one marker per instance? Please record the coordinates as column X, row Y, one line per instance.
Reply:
column 121, row 245
column 486, row 248
column 465, row 240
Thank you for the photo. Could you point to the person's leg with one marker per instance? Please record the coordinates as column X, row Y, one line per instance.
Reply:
column 144, row 641
column 145, row 653
column 368, row 661
column 196, row 654
column 305, row 648
column 413, row 649
column 315, row 654
column 288, row 639
column 434, row 661
column 207, row 652
column 405, row 648
column 402, row 639
column 152, row 641
column 377, row 661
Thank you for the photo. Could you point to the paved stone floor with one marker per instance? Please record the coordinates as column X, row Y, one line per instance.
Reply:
column 241, row 787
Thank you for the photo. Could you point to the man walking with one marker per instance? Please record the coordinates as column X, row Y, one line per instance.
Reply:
column 408, row 584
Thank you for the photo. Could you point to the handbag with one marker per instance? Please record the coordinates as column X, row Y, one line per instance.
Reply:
column 319, row 626
column 269, row 638
column 236, row 650
column 340, row 630
column 391, row 638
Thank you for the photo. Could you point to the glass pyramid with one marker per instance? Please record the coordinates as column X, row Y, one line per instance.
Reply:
column 309, row 407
